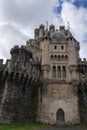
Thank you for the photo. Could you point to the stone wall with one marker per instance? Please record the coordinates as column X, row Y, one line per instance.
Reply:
column 18, row 97
column 19, row 83
column 59, row 96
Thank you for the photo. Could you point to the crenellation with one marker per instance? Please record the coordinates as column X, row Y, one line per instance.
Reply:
column 62, row 29
column 23, row 47
column 41, row 26
column 52, row 27
column 47, row 69
column 7, row 61
column 36, row 30
column 82, row 61
column 1, row 61
column 27, row 42
column 36, row 33
column 2, row 65
column 16, row 46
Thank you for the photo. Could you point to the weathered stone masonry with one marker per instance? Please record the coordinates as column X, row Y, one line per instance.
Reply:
column 45, row 80
column 18, row 83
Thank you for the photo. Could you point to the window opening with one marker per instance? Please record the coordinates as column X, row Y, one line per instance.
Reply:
column 64, row 72
column 59, row 72
column 54, row 71
column 55, row 47
column 62, row 47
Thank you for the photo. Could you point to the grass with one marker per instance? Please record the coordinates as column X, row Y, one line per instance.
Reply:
column 78, row 126
column 33, row 126
column 26, row 126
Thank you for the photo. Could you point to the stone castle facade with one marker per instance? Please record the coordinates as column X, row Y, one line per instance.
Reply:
column 51, row 58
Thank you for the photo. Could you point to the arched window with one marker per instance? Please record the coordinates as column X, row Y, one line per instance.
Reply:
column 58, row 57
column 66, row 57
column 54, row 71
column 62, row 57
column 51, row 56
column 64, row 72
column 55, row 56
column 59, row 72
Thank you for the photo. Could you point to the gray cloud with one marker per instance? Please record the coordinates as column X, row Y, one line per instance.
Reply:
column 9, row 36
column 24, row 13
column 18, row 18
column 77, row 18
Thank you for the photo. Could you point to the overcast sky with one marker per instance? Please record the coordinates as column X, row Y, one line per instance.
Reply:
column 18, row 18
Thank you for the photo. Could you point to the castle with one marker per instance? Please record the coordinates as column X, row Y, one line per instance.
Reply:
column 48, row 69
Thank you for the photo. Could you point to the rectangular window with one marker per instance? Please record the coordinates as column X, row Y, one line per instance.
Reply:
column 62, row 47
column 55, row 47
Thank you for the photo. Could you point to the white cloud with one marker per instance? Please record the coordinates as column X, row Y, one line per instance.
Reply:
column 10, row 36
column 77, row 18
column 18, row 18
column 25, row 13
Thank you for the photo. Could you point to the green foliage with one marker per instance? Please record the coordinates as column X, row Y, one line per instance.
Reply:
column 27, row 126
column 83, row 87
column 82, row 97
column 78, row 126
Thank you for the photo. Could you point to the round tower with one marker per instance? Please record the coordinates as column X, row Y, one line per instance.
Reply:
column 20, row 56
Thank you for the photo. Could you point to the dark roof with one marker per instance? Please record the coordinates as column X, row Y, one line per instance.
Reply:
column 58, row 37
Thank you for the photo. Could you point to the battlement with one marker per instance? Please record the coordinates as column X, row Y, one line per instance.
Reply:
column 1, row 61
column 41, row 26
column 37, row 30
column 32, row 42
column 82, row 66
column 82, row 61
column 40, row 32
column 3, row 65
column 17, row 48
column 50, row 27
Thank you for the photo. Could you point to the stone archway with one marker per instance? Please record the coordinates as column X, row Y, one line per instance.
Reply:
column 60, row 116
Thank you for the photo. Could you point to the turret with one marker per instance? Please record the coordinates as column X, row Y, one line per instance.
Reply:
column 20, row 56
column 62, row 28
column 41, row 31
column 52, row 29
column 36, row 32
column 73, row 56
column 72, row 49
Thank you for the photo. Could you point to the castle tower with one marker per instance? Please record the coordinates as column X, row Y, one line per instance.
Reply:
column 59, row 102
column 52, row 58
column 20, row 56
column 73, row 51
